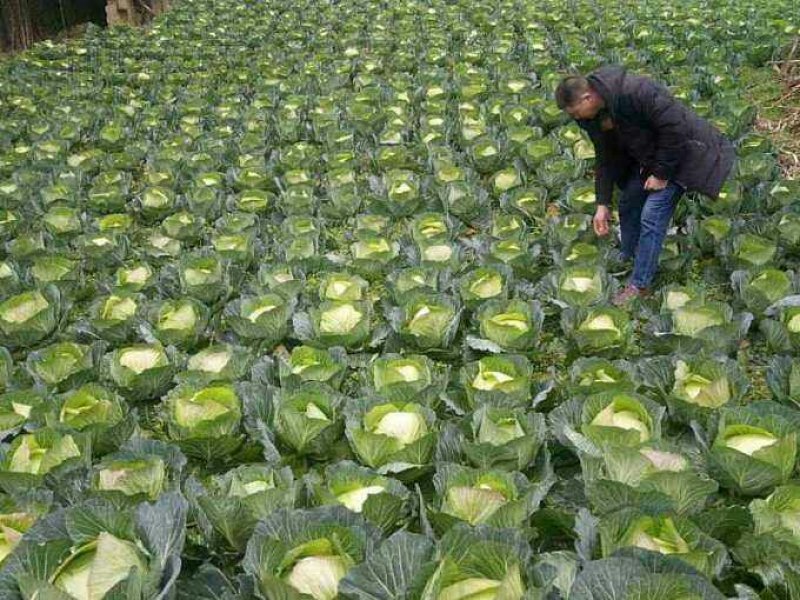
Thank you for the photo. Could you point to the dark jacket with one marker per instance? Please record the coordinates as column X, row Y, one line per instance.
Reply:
column 654, row 132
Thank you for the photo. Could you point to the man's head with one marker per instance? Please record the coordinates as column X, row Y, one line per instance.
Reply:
column 578, row 98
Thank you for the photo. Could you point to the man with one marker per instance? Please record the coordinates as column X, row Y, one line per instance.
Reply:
column 654, row 149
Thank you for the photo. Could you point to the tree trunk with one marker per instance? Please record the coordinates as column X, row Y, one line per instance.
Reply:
column 19, row 23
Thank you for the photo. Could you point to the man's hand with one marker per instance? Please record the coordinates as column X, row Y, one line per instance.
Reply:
column 602, row 218
column 654, row 184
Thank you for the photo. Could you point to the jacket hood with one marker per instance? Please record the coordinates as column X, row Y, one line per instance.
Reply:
column 608, row 82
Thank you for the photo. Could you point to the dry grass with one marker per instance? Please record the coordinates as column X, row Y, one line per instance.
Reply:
column 776, row 93
column 787, row 130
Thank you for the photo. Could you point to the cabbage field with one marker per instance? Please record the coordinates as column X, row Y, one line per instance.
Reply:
column 301, row 300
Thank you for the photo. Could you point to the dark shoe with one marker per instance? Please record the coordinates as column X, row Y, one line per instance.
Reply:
column 628, row 293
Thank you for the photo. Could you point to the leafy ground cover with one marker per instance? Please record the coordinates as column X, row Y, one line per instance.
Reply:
column 301, row 299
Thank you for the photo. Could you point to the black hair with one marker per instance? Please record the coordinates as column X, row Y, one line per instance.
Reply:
column 570, row 89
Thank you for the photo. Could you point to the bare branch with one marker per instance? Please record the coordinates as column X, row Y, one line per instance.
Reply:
column 145, row 6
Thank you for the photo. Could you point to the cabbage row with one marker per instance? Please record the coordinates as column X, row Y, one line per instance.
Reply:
column 300, row 299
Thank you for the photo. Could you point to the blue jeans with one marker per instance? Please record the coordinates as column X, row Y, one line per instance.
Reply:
column 644, row 218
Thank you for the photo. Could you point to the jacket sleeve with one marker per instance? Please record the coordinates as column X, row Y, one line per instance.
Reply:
column 603, row 184
column 666, row 117
column 603, row 179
